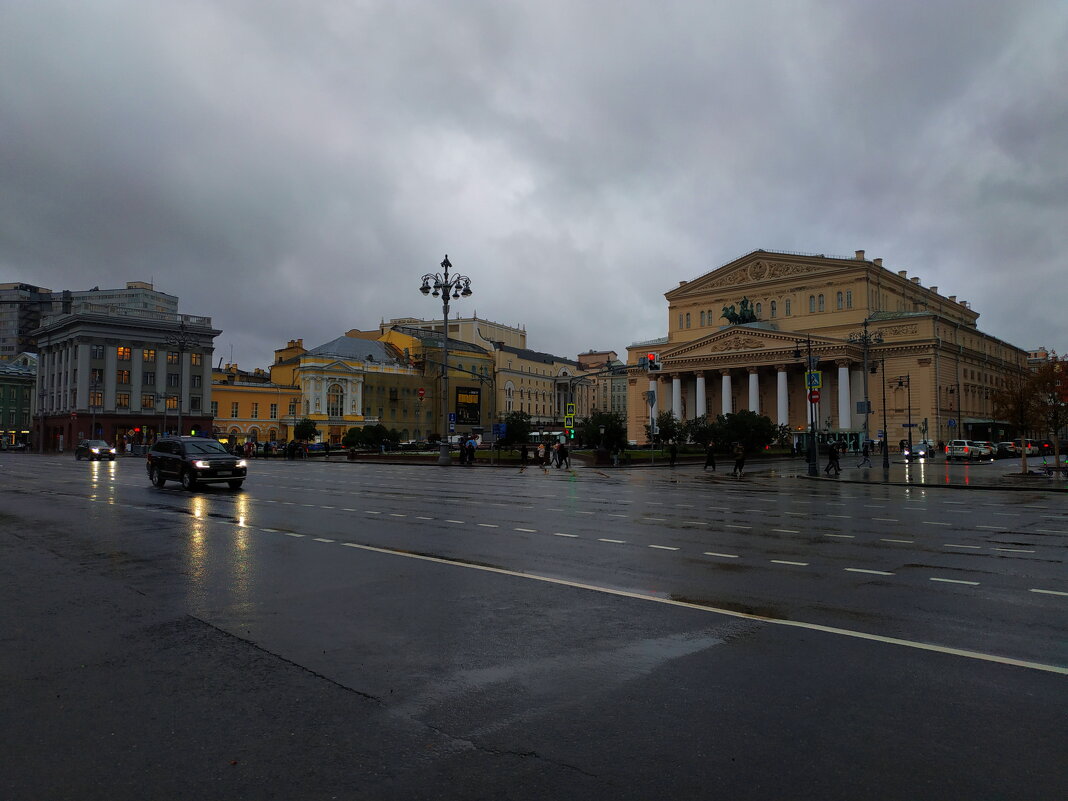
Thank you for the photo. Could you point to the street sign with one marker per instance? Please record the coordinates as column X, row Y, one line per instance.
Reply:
column 650, row 397
column 814, row 396
column 951, row 423
column 571, row 409
column 908, row 425
column 452, row 418
column 569, row 421
column 814, row 379
column 421, row 392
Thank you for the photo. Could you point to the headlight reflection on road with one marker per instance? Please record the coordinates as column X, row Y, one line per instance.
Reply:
column 101, row 475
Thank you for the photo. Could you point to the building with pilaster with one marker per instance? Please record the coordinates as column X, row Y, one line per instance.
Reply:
column 123, row 375
column 18, row 392
column 891, row 358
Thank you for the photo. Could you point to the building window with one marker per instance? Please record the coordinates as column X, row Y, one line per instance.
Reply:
column 839, row 301
column 124, row 353
column 811, row 304
column 172, row 357
column 196, row 359
column 759, row 310
column 788, row 311
column 96, row 399
column 172, row 379
column 96, row 375
column 702, row 318
column 122, row 400
column 292, row 408
column 822, row 305
column 335, row 401
column 194, row 403
column 274, row 412
column 148, row 355
column 233, row 409
column 255, row 411
column 849, row 298
column 687, row 319
column 172, row 401
column 96, row 351
column 680, row 320
column 774, row 310
column 194, row 380
column 148, row 401
column 148, row 379
column 214, row 408
column 122, row 376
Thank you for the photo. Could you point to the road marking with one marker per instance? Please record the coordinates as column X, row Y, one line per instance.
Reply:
column 455, row 521
column 954, row 581
column 887, row 539
column 584, row 513
column 371, row 512
column 696, row 523
column 322, row 539
column 612, row 514
column 786, row 530
column 417, row 517
column 346, row 509
column 731, row 525
column 1014, row 550
column 309, row 505
column 603, row 539
column 862, row 570
column 1005, row 514
column 722, row 555
column 527, row 530
column 327, row 507
column 1050, row 531
column 270, row 530
column 293, row 534
column 841, row 536
column 971, row 547
column 1048, row 592
column 785, row 562
column 684, row 505
column 562, row 534
column 489, row 525
column 657, row 519
column 992, row 528
column 886, row 519
column 935, row 523
column 842, row 517
column 396, row 514
column 797, row 514
column 664, row 547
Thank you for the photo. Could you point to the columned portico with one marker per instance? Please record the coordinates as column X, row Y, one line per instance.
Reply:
column 845, row 417
column 676, row 396
column 782, row 406
column 701, row 407
column 725, row 403
column 754, row 390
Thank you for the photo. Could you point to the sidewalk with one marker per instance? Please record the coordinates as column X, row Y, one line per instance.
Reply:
column 1002, row 474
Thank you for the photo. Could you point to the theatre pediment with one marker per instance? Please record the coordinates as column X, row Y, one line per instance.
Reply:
column 740, row 339
column 755, row 268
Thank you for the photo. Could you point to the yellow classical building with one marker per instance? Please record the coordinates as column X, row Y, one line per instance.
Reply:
column 740, row 336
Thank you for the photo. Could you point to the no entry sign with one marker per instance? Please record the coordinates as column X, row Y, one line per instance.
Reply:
column 814, row 396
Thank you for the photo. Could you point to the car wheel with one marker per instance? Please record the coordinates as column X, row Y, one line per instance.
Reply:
column 155, row 477
column 236, row 483
column 188, row 481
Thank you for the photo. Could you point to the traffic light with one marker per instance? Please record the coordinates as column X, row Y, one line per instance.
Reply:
column 652, row 361
column 571, row 433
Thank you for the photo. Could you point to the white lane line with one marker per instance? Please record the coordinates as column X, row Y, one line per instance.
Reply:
column 489, row 525
column 954, row 581
column 327, row 507
column 722, row 555
column 786, row 562
column 270, row 530
column 527, row 530
column 1014, row 550
column 371, row 512
column 970, row 547
column 1005, row 514
column 992, row 528
column 841, row 536
column 351, row 544
column 958, row 502
column 461, row 522
column 797, row 514
column 293, row 534
column 562, row 534
column 886, row 519
column 862, row 570
column 396, row 514
column 786, row 530
column 731, row 525
column 696, row 523
column 875, row 506
column 309, row 505
column 346, row 509
column 935, row 523
column 322, row 539
column 1050, row 531
column 842, row 517
column 604, row 539
column 584, row 513
column 655, row 519
column 887, row 539
column 287, row 503
column 684, row 505
column 663, row 547
column 417, row 517
column 1048, row 592
column 612, row 514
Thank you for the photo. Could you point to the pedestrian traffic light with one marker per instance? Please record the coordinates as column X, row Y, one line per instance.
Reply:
column 652, row 361
column 570, row 433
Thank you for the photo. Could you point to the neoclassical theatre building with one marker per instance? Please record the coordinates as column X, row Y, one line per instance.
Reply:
column 740, row 336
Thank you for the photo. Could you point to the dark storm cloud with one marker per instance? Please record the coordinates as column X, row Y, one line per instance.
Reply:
column 293, row 169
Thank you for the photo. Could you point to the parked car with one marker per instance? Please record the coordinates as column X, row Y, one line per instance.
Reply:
column 1028, row 446
column 1006, row 450
column 93, row 449
column 194, row 461
column 962, row 450
column 988, row 449
column 920, row 450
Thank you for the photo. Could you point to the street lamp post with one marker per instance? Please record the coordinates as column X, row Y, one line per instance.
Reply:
column 886, row 431
column 905, row 381
column 866, row 340
column 180, row 341
column 813, row 452
column 458, row 286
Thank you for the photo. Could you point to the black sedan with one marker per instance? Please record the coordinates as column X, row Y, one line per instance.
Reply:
column 94, row 449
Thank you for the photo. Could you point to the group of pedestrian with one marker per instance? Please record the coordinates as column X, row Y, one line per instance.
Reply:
column 557, row 455
column 468, row 448
column 296, row 450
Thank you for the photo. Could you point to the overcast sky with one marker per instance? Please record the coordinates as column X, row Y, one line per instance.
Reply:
column 293, row 168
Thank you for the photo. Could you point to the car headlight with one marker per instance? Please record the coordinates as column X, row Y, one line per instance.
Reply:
column 241, row 463
column 111, row 450
column 200, row 464
column 95, row 450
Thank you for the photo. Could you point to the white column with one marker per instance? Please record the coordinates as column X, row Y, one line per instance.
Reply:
column 676, row 396
column 781, row 397
column 844, row 416
column 701, row 406
column 754, row 390
column 725, row 404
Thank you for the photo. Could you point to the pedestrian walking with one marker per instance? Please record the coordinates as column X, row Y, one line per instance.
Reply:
column 565, row 456
column 556, row 455
column 673, row 453
column 541, row 456
column 865, row 454
column 326, row 449
column 472, row 446
column 739, row 459
column 524, row 455
column 832, row 460
column 710, row 456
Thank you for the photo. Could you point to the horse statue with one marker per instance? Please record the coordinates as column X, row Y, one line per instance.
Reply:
column 730, row 314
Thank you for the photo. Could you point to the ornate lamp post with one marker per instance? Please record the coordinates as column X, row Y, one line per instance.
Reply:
column 813, row 452
column 458, row 286
column 181, row 342
column 866, row 340
column 886, row 432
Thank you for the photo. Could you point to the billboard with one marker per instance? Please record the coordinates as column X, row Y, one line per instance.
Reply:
column 468, row 406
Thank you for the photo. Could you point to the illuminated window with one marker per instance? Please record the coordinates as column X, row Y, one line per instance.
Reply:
column 148, row 355
column 196, row 359
column 148, row 401
column 124, row 354
column 122, row 400
column 172, row 357
column 122, row 376
column 172, row 401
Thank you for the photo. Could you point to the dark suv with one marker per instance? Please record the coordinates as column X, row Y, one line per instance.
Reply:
column 194, row 461
column 94, row 449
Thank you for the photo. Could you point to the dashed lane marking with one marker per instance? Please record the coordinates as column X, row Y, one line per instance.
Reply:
column 655, row 519
column 322, row 539
column 604, row 539
column 841, row 536
column 417, row 517
column 969, row 547
column 991, row 528
column 527, row 530
column 1050, row 531
column 372, row 512
column 954, row 581
column 722, row 555
column 886, row 519
column 786, row 530
column 489, row 525
column 293, row 534
column 865, row 570
column 461, row 522
column 695, row 523
column 396, row 514
column 1048, row 592
column 732, row 525
column 887, row 539
column 935, row 523
column 663, row 547
column 786, row 562
column 1014, row 550
column 562, row 534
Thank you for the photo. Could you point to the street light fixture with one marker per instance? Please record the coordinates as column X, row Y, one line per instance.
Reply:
column 458, row 286
column 181, row 342
column 866, row 340
column 813, row 452
column 886, row 431
column 905, row 381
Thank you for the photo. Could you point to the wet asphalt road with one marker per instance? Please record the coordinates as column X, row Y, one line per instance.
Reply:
column 362, row 631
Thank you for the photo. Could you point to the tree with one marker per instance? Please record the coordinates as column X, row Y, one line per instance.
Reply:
column 353, row 438
column 754, row 431
column 305, row 430
column 516, row 429
column 669, row 426
column 701, row 430
column 588, row 430
column 1049, row 383
column 1017, row 403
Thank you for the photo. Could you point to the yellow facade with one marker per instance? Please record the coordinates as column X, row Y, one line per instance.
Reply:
column 936, row 368
column 249, row 406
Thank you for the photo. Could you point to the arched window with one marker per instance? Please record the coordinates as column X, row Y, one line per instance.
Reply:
column 687, row 319
column 702, row 318
column 839, row 301
column 272, row 435
column 811, row 304
column 823, row 306
column 788, row 310
column 774, row 310
column 680, row 320
column 849, row 298
column 335, row 400
column 759, row 310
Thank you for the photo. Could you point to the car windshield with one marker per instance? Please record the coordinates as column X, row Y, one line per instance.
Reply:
column 97, row 443
column 205, row 447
